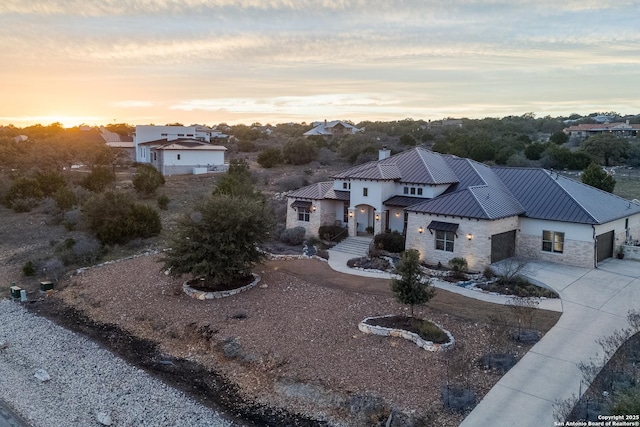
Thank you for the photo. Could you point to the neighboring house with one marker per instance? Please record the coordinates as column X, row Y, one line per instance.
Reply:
column 584, row 131
column 335, row 128
column 21, row 138
column 120, row 142
column 184, row 156
column 449, row 207
column 177, row 150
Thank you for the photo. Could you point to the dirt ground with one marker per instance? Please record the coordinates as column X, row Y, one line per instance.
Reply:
column 291, row 343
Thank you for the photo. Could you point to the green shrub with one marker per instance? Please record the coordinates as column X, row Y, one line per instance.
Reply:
column 270, row 157
column 163, row 202
column 115, row 219
column 147, row 180
column 299, row 152
column 390, row 242
column 50, row 181
column 332, row 233
column 458, row 266
column 293, row 236
column 429, row 331
column 99, row 179
column 65, row 198
column 29, row 269
column 24, row 194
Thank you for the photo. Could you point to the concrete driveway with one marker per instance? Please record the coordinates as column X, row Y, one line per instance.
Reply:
column 595, row 303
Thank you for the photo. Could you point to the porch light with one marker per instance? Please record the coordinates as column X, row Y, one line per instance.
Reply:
column 313, row 208
column 397, row 214
column 377, row 217
column 469, row 236
column 361, row 210
column 350, row 214
column 420, row 230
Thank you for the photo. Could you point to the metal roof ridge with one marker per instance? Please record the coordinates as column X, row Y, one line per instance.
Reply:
column 473, row 194
column 555, row 181
column 419, row 150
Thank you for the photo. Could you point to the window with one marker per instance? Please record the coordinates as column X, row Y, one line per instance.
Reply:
column 178, row 156
column 303, row 214
column 406, row 190
column 419, row 191
column 345, row 213
column 444, row 240
column 155, row 155
column 552, row 241
column 344, row 186
column 365, row 192
column 413, row 190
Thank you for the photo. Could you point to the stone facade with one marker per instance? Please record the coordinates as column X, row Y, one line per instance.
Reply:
column 578, row 253
column 472, row 241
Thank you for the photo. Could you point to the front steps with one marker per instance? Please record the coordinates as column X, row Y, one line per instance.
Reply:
column 357, row 246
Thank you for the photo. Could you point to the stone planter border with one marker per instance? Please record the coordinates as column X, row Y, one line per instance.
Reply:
column 401, row 333
column 202, row 295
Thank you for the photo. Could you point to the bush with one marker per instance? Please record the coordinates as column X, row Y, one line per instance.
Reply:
column 390, row 242
column 65, row 198
column 24, row 194
column 29, row 269
column 50, row 181
column 299, row 152
column 293, row 236
column 81, row 251
column 288, row 183
column 270, row 157
column 163, row 202
column 147, row 180
column 99, row 179
column 115, row 219
column 53, row 269
column 458, row 266
column 332, row 233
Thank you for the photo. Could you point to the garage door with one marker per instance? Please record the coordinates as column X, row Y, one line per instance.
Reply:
column 604, row 246
column 503, row 246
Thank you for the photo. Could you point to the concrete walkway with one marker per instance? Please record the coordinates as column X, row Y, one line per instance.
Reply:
column 594, row 302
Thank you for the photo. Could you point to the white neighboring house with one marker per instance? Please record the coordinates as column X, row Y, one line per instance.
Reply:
column 448, row 207
column 175, row 150
column 117, row 141
column 335, row 128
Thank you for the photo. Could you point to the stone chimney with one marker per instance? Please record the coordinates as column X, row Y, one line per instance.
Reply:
column 384, row 153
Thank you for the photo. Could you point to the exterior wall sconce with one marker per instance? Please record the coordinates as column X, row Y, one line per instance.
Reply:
column 350, row 214
column 377, row 217
column 397, row 214
column 469, row 236
column 313, row 208
column 361, row 210
column 420, row 230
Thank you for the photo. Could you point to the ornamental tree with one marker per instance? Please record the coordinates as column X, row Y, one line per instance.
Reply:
column 411, row 288
column 219, row 242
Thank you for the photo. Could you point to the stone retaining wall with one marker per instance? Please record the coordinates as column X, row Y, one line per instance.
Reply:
column 401, row 333
column 203, row 295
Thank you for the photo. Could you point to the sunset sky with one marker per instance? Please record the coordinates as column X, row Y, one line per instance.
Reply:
column 245, row 61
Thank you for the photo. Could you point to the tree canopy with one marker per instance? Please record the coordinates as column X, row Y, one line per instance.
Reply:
column 594, row 176
column 606, row 147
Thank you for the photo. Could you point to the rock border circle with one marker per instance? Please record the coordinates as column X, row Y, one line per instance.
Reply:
column 202, row 295
column 401, row 333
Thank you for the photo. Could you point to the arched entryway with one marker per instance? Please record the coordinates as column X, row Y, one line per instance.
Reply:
column 364, row 219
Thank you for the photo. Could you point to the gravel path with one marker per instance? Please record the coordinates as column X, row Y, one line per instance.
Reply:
column 87, row 383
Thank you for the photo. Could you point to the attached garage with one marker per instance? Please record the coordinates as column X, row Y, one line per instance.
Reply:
column 503, row 246
column 604, row 246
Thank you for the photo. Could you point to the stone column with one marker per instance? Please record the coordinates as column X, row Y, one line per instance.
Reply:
column 352, row 224
column 379, row 219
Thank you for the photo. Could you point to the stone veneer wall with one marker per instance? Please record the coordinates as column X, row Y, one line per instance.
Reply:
column 476, row 251
column 578, row 253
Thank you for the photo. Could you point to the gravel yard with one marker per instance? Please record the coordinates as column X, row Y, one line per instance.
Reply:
column 293, row 342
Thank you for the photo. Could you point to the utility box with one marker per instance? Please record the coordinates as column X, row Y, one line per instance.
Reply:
column 15, row 291
column 46, row 286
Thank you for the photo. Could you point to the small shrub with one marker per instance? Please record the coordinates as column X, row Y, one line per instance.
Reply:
column 488, row 273
column 163, row 202
column 29, row 269
column 147, row 180
column 53, row 269
column 24, row 194
column 99, row 179
column 458, row 266
column 50, row 181
column 65, row 198
column 323, row 253
column 293, row 236
column 390, row 242
column 332, row 233
column 25, row 204
column 71, row 219
column 369, row 230
column 270, row 157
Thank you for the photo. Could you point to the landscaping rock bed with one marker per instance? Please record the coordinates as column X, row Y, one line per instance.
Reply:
column 368, row 328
